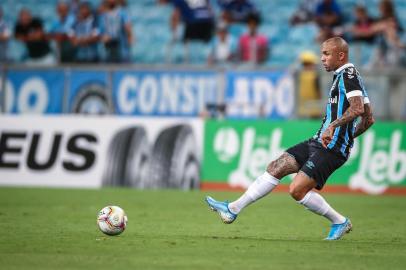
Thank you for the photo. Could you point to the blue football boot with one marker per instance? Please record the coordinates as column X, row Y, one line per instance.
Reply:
column 338, row 230
column 222, row 209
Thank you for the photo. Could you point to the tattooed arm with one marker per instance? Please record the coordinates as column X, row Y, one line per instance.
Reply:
column 366, row 122
column 356, row 109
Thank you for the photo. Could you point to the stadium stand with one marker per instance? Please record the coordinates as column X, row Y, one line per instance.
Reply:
column 152, row 34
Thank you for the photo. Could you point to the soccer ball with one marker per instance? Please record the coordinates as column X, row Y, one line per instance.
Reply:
column 112, row 220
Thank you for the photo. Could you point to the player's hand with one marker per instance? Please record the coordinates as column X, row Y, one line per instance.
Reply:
column 327, row 136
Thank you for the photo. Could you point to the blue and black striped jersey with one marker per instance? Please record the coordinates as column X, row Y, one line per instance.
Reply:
column 347, row 83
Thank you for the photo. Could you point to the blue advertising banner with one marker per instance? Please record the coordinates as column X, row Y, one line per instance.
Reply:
column 260, row 94
column 89, row 93
column 38, row 92
column 160, row 93
column 150, row 93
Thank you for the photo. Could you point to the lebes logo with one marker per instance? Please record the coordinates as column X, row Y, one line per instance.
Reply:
column 378, row 169
column 378, row 159
column 227, row 144
column 253, row 152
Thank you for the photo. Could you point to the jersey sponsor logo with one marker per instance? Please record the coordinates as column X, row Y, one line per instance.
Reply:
column 332, row 100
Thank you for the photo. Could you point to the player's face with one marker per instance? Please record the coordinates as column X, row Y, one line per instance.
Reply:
column 330, row 57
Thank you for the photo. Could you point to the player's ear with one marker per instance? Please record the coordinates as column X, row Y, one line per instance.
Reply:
column 341, row 56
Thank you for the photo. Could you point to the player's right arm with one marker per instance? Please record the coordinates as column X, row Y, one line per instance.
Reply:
column 367, row 120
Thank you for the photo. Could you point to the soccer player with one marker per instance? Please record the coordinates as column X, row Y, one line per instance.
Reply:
column 316, row 159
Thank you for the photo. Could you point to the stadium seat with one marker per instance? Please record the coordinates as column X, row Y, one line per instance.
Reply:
column 153, row 35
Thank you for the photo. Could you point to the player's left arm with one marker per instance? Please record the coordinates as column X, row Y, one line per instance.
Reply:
column 355, row 109
column 366, row 122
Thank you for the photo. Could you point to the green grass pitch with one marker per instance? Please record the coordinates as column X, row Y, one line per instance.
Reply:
column 56, row 229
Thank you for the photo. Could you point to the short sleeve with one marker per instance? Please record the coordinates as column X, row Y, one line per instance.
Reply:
column 351, row 83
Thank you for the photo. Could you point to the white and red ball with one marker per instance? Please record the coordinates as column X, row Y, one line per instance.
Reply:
column 112, row 220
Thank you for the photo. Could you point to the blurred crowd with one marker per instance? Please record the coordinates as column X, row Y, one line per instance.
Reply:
column 384, row 32
column 87, row 34
column 81, row 34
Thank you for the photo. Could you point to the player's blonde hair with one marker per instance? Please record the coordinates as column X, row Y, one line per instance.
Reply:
column 339, row 43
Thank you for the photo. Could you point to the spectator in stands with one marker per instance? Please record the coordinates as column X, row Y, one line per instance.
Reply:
column 236, row 10
column 391, row 50
column 60, row 30
column 117, row 34
column 222, row 47
column 362, row 30
column 328, row 16
column 85, row 35
column 197, row 16
column 253, row 47
column 30, row 30
column 305, row 13
column 235, row 14
column 4, row 38
column 387, row 10
column 309, row 95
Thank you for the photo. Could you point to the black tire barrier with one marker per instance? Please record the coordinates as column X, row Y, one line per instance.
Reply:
column 138, row 157
column 171, row 163
column 127, row 159
column 174, row 163
column 92, row 98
